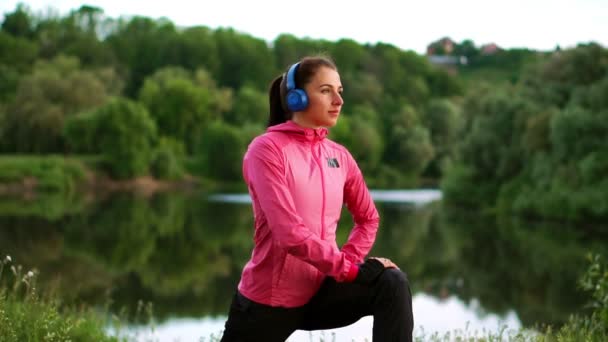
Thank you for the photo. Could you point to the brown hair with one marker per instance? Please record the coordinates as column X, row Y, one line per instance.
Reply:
column 278, row 88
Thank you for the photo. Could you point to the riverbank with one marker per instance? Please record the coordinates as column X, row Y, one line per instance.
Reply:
column 27, row 176
column 29, row 314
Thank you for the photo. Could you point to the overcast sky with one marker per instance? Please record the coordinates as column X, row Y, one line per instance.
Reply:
column 410, row 25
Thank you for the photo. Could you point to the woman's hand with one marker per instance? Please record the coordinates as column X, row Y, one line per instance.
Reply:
column 386, row 262
column 372, row 268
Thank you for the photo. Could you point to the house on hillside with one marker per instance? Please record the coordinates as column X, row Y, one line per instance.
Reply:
column 489, row 49
column 444, row 46
column 440, row 53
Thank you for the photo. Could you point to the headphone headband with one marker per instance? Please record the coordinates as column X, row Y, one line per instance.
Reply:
column 291, row 76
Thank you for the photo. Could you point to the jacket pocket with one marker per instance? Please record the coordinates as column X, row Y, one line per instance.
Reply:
column 297, row 276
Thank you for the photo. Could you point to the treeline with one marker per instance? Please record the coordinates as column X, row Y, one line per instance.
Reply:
column 153, row 98
column 539, row 147
column 516, row 131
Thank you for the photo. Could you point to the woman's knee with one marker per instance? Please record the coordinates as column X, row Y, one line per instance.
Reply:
column 394, row 278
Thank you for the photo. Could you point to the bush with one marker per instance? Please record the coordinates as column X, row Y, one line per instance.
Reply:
column 122, row 131
column 596, row 282
column 80, row 132
column 168, row 159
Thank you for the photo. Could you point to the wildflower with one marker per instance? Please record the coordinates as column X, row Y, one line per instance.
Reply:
column 8, row 259
column 30, row 274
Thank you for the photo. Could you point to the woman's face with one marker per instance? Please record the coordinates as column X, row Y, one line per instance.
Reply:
column 324, row 100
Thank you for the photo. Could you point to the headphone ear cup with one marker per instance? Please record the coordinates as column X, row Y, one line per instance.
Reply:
column 297, row 100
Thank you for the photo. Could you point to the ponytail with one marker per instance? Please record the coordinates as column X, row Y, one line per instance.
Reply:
column 277, row 112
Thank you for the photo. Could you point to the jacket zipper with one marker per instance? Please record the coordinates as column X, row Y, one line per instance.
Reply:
column 318, row 160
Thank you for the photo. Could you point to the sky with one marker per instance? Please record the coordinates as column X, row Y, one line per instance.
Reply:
column 407, row 24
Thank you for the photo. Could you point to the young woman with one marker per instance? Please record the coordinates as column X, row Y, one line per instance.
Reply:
column 298, row 179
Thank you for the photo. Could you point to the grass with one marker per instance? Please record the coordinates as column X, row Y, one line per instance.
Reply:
column 26, row 315
column 52, row 173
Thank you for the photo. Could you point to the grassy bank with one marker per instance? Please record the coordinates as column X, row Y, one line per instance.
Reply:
column 30, row 175
column 23, row 173
column 28, row 315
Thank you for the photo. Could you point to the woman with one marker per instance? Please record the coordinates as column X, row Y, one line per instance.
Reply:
column 297, row 277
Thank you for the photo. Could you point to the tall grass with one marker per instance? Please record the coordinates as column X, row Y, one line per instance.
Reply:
column 26, row 316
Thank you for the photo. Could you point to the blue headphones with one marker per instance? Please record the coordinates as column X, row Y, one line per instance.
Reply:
column 296, row 98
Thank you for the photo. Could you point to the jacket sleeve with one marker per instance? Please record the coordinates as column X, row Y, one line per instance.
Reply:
column 264, row 172
column 365, row 215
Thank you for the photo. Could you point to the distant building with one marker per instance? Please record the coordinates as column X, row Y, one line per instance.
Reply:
column 440, row 53
column 448, row 60
column 443, row 46
column 490, row 49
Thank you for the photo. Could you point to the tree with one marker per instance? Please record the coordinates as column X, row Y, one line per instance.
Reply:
column 54, row 91
column 349, row 55
column 466, row 48
column 197, row 49
column 222, row 163
column 142, row 46
column 441, row 118
column 409, row 146
column 250, row 106
column 126, row 135
column 182, row 104
column 17, row 54
column 19, row 23
column 245, row 60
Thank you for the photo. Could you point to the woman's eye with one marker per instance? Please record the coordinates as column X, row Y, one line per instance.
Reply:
column 325, row 91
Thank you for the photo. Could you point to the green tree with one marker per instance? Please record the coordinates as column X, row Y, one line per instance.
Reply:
column 250, row 106
column 168, row 159
column 182, row 104
column 245, row 60
column 222, row 163
column 441, row 118
column 55, row 90
column 126, row 135
column 19, row 23
column 17, row 55
column 409, row 147
column 466, row 48
column 197, row 49
column 142, row 46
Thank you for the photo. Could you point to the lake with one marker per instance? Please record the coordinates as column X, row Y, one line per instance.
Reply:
column 177, row 258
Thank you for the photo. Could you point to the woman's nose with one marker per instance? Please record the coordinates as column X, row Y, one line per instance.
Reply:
column 338, row 101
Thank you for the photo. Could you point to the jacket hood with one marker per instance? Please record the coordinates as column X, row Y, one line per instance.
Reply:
column 291, row 127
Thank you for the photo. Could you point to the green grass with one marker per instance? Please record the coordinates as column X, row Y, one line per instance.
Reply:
column 26, row 316
column 50, row 173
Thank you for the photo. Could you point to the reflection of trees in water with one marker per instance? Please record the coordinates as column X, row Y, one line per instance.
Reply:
column 174, row 249
column 185, row 254
column 508, row 264
column 532, row 268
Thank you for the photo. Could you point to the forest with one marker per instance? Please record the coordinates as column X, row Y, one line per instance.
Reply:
column 514, row 131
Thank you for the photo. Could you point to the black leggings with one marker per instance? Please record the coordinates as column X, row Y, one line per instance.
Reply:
column 335, row 305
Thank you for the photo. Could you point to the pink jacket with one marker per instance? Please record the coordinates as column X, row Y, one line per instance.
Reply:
column 298, row 181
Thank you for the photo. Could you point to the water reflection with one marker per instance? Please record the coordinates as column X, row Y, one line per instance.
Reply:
column 419, row 197
column 184, row 254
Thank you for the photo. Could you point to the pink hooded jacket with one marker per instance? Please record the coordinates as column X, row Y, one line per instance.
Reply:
column 298, row 181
